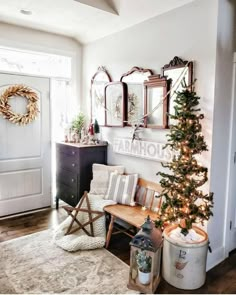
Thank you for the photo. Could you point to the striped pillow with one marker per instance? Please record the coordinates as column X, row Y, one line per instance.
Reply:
column 122, row 188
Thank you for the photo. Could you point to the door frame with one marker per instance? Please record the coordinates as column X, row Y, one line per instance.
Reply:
column 231, row 165
column 52, row 205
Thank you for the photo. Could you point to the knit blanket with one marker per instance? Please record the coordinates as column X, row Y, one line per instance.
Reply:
column 79, row 240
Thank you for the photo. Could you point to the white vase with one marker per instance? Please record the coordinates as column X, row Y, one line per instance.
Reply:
column 184, row 264
column 144, row 277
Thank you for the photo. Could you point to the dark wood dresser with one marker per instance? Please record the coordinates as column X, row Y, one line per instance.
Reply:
column 74, row 169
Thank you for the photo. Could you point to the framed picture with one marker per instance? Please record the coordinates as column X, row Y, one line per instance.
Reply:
column 156, row 102
column 135, row 97
column 97, row 93
column 115, row 104
column 135, row 102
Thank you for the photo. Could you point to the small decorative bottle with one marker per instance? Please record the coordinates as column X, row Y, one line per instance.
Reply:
column 83, row 133
column 70, row 135
column 91, row 133
column 91, row 129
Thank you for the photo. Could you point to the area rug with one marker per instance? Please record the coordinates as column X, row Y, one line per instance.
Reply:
column 34, row 264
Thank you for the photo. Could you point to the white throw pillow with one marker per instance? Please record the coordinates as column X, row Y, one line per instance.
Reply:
column 122, row 188
column 101, row 173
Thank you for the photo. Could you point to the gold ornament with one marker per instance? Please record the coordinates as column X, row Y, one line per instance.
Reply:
column 32, row 106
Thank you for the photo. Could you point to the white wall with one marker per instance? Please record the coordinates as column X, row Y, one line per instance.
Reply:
column 152, row 44
column 189, row 32
column 221, row 127
column 29, row 39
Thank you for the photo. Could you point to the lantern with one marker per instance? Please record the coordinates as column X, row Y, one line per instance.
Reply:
column 145, row 258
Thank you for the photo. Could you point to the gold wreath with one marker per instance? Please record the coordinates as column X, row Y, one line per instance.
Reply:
column 32, row 106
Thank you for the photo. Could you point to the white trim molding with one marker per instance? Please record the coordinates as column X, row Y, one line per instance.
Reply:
column 214, row 258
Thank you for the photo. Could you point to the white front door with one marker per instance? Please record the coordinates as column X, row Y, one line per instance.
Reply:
column 25, row 151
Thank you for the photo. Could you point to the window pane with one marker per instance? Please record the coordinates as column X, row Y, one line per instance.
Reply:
column 35, row 63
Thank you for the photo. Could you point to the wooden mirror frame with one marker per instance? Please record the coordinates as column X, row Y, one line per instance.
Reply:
column 109, row 111
column 100, row 70
column 156, row 81
column 177, row 64
column 139, row 89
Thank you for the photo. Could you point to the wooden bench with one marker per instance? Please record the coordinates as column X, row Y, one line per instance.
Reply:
column 146, row 204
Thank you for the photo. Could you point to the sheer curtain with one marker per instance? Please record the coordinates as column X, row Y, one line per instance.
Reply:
column 60, row 104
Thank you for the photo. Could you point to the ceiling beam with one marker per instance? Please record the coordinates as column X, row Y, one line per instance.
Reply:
column 99, row 4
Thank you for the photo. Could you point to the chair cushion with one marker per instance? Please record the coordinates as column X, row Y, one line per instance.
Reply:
column 122, row 188
column 101, row 173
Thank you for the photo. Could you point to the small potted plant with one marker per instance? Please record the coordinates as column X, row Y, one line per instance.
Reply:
column 144, row 263
column 78, row 124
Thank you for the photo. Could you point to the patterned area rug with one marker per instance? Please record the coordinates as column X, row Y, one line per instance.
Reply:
column 33, row 264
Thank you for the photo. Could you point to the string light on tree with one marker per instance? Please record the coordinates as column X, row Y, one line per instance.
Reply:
column 181, row 187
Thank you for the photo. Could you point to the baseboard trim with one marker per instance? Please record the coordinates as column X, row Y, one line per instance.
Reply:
column 216, row 257
column 24, row 213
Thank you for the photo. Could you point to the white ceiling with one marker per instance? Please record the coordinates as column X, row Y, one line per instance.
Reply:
column 84, row 20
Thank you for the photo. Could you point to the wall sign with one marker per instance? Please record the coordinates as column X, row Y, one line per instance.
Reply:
column 149, row 150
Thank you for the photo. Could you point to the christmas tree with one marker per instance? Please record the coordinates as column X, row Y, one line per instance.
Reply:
column 96, row 127
column 185, row 203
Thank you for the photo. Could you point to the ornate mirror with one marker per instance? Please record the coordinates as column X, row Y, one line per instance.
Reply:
column 156, row 102
column 97, row 93
column 135, row 102
column 172, row 71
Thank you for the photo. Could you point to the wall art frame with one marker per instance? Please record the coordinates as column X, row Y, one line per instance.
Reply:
column 115, row 104
column 97, row 94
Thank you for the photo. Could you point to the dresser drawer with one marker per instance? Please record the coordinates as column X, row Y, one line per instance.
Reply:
column 68, row 162
column 74, row 169
column 67, row 194
column 68, row 150
column 68, row 178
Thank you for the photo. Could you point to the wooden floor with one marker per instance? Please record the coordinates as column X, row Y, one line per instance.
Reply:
column 220, row 280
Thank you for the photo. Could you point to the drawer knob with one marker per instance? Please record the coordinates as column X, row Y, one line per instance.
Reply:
column 73, row 164
column 72, row 180
column 72, row 196
column 73, row 152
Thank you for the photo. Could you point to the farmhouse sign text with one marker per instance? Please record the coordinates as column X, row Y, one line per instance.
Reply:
column 143, row 149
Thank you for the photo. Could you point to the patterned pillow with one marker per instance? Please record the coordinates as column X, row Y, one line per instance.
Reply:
column 101, row 174
column 122, row 188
